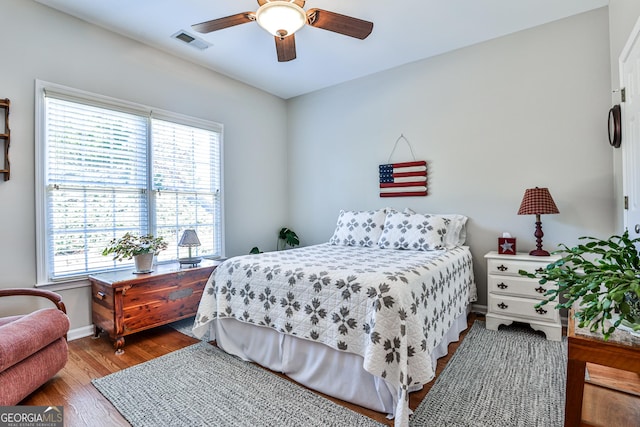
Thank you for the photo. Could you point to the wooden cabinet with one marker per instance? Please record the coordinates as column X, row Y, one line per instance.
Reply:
column 124, row 303
column 513, row 298
column 621, row 351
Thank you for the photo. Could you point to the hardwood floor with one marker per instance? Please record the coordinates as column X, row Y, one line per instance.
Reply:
column 94, row 358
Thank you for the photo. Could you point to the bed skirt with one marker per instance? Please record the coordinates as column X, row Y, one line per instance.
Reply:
column 316, row 365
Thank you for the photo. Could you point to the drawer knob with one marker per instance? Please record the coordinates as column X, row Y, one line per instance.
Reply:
column 100, row 295
column 502, row 285
column 502, row 267
column 541, row 310
column 539, row 270
column 540, row 290
column 503, row 306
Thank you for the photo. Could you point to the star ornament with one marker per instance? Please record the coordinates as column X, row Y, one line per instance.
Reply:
column 507, row 247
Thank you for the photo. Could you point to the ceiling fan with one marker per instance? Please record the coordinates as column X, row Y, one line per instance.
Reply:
column 283, row 18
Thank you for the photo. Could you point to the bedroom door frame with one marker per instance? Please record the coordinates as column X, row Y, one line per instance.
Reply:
column 629, row 66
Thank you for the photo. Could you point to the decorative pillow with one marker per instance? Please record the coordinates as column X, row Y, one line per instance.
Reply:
column 456, row 228
column 413, row 232
column 358, row 228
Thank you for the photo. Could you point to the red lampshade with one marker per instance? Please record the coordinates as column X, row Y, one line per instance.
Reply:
column 537, row 201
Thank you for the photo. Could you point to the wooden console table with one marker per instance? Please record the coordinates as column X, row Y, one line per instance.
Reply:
column 621, row 351
column 124, row 303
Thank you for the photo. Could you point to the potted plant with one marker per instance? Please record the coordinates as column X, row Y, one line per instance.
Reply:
column 603, row 277
column 287, row 237
column 141, row 248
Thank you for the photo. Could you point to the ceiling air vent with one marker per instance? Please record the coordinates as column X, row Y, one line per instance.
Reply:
column 191, row 40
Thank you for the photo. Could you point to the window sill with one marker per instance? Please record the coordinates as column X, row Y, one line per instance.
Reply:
column 64, row 285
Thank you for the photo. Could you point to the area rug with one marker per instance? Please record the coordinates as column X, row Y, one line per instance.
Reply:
column 507, row 378
column 184, row 326
column 200, row 385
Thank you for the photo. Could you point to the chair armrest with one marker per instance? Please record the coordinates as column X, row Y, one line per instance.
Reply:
column 29, row 334
column 52, row 296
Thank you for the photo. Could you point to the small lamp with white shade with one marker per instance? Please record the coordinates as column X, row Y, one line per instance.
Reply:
column 189, row 240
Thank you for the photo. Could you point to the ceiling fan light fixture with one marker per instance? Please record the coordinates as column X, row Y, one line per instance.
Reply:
column 281, row 18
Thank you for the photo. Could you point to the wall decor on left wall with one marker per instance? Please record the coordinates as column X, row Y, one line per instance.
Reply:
column 6, row 137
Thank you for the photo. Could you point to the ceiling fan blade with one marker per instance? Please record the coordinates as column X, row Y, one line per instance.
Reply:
column 298, row 2
column 286, row 48
column 226, row 22
column 338, row 23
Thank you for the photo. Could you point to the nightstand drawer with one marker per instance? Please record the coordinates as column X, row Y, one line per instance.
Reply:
column 516, row 286
column 522, row 307
column 512, row 267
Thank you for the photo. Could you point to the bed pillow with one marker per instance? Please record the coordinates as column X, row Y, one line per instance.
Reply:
column 413, row 232
column 456, row 228
column 358, row 228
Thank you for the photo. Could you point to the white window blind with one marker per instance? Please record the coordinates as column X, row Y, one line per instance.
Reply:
column 186, row 183
column 108, row 171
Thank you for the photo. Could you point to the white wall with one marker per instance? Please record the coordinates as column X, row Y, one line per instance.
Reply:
column 40, row 43
column 524, row 110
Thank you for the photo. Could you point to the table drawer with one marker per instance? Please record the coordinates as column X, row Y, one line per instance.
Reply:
column 516, row 286
column 522, row 307
column 512, row 267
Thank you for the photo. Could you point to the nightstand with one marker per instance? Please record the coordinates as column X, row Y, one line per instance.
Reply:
column 512, row 297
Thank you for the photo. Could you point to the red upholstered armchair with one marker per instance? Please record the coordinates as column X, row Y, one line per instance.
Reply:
column 33, row 347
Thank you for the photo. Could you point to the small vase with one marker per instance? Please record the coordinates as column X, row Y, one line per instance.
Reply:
column 144, row 263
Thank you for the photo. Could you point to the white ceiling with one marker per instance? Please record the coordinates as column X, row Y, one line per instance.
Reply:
column 404, row 31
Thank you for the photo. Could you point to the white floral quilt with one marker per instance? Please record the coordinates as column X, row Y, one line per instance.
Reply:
column 392, row 307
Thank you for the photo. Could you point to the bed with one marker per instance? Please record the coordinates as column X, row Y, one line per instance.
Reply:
column 362, row 322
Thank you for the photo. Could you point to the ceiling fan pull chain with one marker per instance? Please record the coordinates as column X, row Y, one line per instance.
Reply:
column 396, row 146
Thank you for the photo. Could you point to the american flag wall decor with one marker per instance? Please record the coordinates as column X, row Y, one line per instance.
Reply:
column 403, row 179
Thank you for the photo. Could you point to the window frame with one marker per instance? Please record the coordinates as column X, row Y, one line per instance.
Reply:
column 77, row 95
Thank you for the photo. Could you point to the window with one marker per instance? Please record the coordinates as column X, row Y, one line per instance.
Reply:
column 107, row 167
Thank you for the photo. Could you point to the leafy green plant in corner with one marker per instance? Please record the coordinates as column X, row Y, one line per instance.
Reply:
column 602, row 276
column 130, row 245
column 288, row 237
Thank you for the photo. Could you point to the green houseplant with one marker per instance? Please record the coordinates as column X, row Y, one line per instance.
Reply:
column 286, row 237
column 602, row 276
column 140, row 247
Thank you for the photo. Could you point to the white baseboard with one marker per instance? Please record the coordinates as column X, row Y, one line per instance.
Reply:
column 81, row 332
column 477, row 308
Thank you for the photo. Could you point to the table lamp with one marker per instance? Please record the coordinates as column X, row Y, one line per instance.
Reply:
column 538, row 201
column 189, row 239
